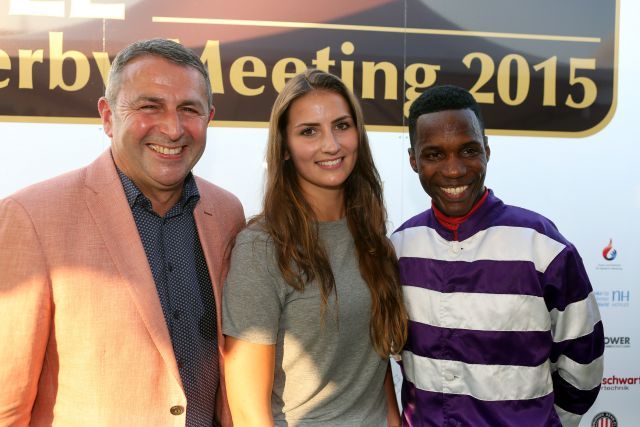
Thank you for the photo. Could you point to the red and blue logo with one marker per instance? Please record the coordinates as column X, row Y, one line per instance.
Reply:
column 604, row 419
column 609, row 252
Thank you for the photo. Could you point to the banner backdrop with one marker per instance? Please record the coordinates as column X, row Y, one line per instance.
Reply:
column 537, row 67
column 542, row 71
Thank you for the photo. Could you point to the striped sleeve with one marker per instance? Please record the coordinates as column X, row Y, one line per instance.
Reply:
column 578, row 336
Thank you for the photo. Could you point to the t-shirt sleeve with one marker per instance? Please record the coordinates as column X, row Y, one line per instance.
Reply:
column 252, row 296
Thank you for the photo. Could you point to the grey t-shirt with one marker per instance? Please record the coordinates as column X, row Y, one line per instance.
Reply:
column 325, row 373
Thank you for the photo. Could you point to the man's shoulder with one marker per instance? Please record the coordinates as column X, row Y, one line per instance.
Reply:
column 224, row 203
column 64, row 185
column 516, row 216
column 212, row 191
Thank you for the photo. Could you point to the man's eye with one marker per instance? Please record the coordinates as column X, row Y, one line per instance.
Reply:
column 191, row 110
column 469, row 152
column 148, row 107
column 431, row 156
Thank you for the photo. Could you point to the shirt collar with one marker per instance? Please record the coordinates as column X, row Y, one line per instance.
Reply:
column 463, row 227
column 188, row 199
column 452, row 223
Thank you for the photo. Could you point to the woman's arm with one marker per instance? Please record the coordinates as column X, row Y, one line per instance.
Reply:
column 393, row 414
column 249, row 371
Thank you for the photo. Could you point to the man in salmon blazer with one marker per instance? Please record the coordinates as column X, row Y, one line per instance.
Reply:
column 111, row 275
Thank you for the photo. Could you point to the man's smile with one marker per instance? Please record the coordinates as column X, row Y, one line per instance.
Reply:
column 166, row 150
column 454, row 191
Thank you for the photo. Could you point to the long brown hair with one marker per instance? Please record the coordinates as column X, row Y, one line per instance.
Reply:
column 292, row 224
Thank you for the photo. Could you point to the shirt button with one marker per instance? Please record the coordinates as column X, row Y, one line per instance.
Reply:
column 177, row 410
column 449, row 377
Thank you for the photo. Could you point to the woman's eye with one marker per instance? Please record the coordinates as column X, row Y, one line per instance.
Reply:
column 343, row 126
column 308, row 131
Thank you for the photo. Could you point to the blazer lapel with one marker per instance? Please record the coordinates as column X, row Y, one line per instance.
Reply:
column 211, row 241
column 108, row 206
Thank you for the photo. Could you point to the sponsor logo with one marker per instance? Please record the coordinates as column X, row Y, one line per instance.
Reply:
column 614, row 299
column 615, row 383
column 603, row 298
column 609, row 252
column 604, row 419
column 620, row 298
column 617, row 342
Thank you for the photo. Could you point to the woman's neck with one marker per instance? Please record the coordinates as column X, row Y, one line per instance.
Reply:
column 328, row 205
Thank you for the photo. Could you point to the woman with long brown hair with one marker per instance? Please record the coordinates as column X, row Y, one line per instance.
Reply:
column 312, row 307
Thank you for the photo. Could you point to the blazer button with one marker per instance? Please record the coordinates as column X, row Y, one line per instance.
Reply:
column 177, row 410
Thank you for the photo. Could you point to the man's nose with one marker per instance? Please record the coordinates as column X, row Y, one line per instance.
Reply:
column 172, row 125
column 454, row 167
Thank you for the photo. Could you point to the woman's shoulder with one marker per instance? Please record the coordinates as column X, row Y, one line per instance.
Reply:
column 253, row 237
column 252, row 231
column 254, row 252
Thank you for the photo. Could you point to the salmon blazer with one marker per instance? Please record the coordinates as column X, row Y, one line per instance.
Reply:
column 83, row 338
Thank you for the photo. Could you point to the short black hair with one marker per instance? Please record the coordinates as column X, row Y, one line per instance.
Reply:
column 441, row 98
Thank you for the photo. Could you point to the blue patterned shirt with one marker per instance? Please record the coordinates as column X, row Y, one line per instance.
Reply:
column 182, row 279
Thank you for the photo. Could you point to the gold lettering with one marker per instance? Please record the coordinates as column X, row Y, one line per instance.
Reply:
column 487, row 67
column 36, row 8
column 104, row 65
column 550, row 67
column 88, row 9
column 429, row 73
column 588, row 85
column 347, row 66
column 211, row 59
column 369, row 70
column 5, row 64
column 323, row 60
column 77, row 9
column 56, row 60
column 26, row 59
column 238, row 74
column 523, row 79
column 280, row 75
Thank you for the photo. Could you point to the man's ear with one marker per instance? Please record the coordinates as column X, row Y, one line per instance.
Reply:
column 412, row 159
column 212, row 112
column 106, row 114
column 487, row 149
